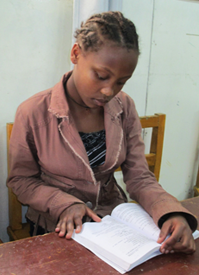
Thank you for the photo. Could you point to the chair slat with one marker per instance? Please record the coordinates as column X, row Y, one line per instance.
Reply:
column 157, row 123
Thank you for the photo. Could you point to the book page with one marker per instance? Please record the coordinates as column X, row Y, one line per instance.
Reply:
column 116, row 242
column 135, row 216
column 114, row 265
column 195, row 234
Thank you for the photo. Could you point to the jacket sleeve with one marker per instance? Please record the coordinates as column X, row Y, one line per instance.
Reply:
column 24, row 177
column 140, row 182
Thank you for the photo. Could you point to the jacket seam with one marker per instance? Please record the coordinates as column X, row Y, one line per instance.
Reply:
column 91, row 172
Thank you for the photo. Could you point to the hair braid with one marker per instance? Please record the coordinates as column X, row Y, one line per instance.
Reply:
column 112, row 26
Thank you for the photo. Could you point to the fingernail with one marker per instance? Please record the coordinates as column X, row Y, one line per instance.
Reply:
column 77, row 228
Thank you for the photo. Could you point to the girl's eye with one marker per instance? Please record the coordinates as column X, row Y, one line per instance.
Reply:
column 100, row 77
column 121, row 83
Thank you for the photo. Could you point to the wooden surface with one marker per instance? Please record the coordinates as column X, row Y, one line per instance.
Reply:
column 49, row 254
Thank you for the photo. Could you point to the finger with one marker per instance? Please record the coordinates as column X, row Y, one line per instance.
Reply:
column 182, row 249
column 170, row 236
column 167, row 246
column 69, row 229
column 92, row 215
column 169, row 243
column 78, row 224
column 63, row 228
column 75, row 222
column 165, row 231
column 57, row 229
column 186, row 245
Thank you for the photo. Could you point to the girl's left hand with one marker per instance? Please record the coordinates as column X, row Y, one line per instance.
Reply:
column 180, row 236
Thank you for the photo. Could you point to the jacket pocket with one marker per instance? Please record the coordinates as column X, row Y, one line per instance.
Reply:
column 110, row 192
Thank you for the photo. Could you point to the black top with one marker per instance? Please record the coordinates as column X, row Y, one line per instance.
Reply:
column 95, row 145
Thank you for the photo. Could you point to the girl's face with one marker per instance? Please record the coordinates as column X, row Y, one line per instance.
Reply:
column 98, row 76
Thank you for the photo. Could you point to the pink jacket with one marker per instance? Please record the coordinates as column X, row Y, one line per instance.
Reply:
column 50, row 169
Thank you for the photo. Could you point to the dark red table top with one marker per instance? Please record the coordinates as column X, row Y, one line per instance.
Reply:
column 49, row 254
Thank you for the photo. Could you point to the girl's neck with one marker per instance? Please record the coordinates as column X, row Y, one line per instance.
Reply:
column 73, row 97
column 86, row 119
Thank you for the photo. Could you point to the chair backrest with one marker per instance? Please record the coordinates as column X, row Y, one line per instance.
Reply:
column 156, row 122
column 196, row 187
column 15, row 216
column 15, row 207
column 154, row 157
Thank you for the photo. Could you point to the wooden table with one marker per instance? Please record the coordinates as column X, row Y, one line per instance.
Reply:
column 49, row 254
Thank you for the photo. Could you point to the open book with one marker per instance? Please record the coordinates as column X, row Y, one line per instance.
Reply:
column 125, row 239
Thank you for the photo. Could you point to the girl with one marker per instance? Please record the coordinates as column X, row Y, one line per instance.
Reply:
column 68, row 140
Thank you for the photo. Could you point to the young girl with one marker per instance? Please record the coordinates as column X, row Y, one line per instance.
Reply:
column 67, row 142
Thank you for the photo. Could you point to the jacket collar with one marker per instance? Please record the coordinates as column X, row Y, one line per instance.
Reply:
column 114, row 107
column 59, row 105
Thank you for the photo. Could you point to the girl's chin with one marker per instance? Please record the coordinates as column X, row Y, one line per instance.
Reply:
column 99, row 103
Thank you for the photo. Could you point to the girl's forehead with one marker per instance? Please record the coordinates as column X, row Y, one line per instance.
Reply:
column 112, row 51
column 111, row 56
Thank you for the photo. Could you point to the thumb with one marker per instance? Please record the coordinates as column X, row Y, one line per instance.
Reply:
column 165, row 230
column 92, row 215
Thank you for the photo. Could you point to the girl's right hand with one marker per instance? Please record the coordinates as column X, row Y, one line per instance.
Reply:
column 71, row 219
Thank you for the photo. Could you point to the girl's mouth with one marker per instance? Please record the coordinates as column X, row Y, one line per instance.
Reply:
column 100, row 102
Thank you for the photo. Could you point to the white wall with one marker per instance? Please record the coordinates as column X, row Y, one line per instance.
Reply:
column 34, row 52
column 141, row 13
column 169, row 36
column 35, row 45
column 174, row 83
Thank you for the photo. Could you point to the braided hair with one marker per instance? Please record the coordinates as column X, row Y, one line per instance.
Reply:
column 112, row 26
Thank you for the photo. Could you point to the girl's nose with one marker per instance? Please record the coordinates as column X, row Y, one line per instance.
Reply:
column 108, row 91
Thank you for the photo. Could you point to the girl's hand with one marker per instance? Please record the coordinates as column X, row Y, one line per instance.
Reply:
column 180, row 236
column 72, row 218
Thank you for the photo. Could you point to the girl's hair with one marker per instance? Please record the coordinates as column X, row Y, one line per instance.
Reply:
column 112, row 26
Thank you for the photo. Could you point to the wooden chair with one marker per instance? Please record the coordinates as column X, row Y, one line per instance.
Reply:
column 18, row 230
column 196, row 187
column 154, row 157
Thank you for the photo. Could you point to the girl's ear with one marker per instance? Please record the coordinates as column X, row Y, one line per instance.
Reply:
column 75, row 53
